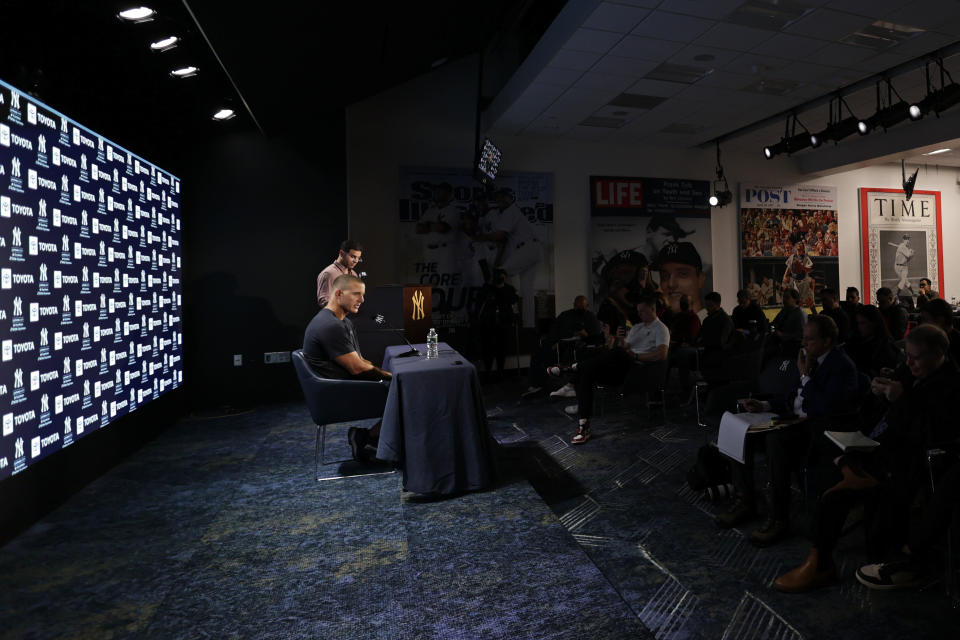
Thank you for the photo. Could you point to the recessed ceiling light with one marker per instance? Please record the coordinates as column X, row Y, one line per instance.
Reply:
column 166, row 44
column 224, row 114
column 184, row 72
column 137, row 14
column 933, row 153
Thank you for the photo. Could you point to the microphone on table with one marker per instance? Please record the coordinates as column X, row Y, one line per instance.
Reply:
column 381, row 321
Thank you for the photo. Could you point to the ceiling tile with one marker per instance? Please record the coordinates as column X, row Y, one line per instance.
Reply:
column 590, row 133
column 605, row 81
column 715, row 9
column 733, row 36
column 751, row 64
column 921, row 44
column 872, row 8
column 569, row 59
column 656, row 88
column 672, row 26
column 558, row 77
column 788, row 46
column 708, row 57
column 723, row 80
column 645, row 48
column 879, row 62
column 925, row 14
column 624, row 66
column 592, row 40
column 828, row 25
column 615, row 17
column 840, row 55
column 803, row 72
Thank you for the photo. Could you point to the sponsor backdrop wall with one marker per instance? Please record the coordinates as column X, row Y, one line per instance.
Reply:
column 457, row 267
column 633, row 218
column 789, row 239
column 90, row 293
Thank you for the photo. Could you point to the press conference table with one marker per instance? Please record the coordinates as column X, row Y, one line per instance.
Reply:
column 434, row 423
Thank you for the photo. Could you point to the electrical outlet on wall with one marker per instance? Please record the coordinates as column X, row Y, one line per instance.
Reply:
column 276, row 357
column 237, row 360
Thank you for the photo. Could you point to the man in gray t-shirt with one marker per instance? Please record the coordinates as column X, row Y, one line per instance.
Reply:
column 331, row 349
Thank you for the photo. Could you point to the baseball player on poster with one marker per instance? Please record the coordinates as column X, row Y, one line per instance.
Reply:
column 900, row 264
column 799, row 265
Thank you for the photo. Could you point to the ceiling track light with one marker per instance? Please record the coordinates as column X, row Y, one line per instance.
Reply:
column 791, row 142
column 721, row 195
column 939, row 100
column 165, row 44
column 892, row 114
column 137, row 15
column 184, row 72
column 839, row 127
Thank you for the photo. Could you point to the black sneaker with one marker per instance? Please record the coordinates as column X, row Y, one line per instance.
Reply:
column 901, row 574
column 357, row 439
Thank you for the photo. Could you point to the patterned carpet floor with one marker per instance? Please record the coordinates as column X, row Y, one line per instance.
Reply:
column 217, row 529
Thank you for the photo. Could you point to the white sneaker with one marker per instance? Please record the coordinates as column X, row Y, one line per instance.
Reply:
column 572, row 409
column 566, row 391
column 530, row 391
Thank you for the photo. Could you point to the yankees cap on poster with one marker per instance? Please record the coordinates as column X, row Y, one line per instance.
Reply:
column 680, row 253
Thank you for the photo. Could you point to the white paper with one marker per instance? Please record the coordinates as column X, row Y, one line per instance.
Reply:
column 733, row 431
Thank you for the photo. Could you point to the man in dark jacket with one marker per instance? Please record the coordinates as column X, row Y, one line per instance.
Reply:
column 748, row 317
column 576, row 326
column 831, row 308
column 894, row 316
column 827, row 387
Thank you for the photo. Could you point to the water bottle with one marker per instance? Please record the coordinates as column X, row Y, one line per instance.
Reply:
column 432, row 351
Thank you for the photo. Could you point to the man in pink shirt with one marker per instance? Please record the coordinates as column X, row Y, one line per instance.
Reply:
column 350, row 252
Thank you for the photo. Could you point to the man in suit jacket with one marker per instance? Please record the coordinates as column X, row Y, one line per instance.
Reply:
column 827, row 387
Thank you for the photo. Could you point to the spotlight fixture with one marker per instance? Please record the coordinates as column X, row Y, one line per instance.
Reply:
column 165, row 44
column 721, row 195
column 839, row 127
column 941, row 99
column 184, row 72
column 137, row 14
column 892, row 114
column 224, row 114
column 791, row 142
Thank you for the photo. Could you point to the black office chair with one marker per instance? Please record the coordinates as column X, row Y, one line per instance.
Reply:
column 331, row 401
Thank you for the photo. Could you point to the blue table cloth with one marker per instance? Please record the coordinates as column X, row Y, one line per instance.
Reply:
column 434, row 423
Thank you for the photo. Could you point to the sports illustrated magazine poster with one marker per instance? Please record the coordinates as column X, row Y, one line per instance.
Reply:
column 901, row 241
column 443, row 212
column 788, row 240
column 649, row 235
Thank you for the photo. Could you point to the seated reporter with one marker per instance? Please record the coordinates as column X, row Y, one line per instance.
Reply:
column 939, row 313
column 577, row 323
column 827, row 387
column 331, row 348
column 646, row 343
column 917, row 419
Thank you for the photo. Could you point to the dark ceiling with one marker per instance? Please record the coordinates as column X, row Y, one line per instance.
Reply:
column 297, row 64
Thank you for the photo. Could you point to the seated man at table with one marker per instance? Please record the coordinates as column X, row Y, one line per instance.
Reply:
column 331, row 349
column 647, row 343
column 828, row 386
